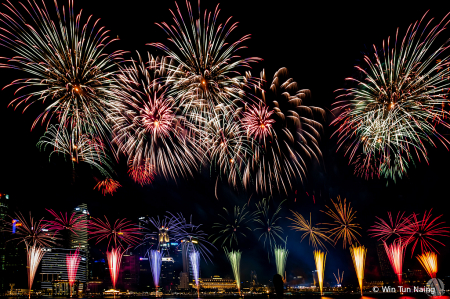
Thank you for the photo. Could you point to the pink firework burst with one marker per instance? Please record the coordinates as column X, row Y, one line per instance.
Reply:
column 396, row 253
column 385, row 229
column 120, row 233
column 63, row 222
column 142, row 174
column 425, row 231
column 108, row 186
column 157, row 116
column 257, row 121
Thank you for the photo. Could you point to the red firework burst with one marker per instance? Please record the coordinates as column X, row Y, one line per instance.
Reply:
column 63, row 222
column 157, row 116
column 142, row 174
column 120, row 233
column 385, row 229
column 108, row 186
column 257, row 121
column 425, row 231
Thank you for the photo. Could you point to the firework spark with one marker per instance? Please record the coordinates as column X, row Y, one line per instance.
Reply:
column 118, row 234
column 234, row 225
column 283, row 132
column 155, row 264
column 281, row 254
column 339, row 278
column 268, row 223
column 72, row 262
column 385, row 229
column 428, row 260
column 359, row 260
column 62, row 222
column 35, row 252
column 108, row 186
column 319, row 258
column 33, row 232
column 194, row 257
column 396, row 253
column 343, row 224
column 398, row 107
column 207, row 74
column 235, row 260
column 425, row 231
column 142, row 174
column 315, row 234
column 146, row 124
column 114, row 257
column 67, row 64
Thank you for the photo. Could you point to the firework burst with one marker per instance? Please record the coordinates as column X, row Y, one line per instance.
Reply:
column 108, row 186
column 428, row 260
column 233, row 226
column 315, row 234
column 142, row 174
column 359, row 261
column 118, row 234
column 33, row 232
column 319, row 258
column 283, row 132
column 207, row 74
column 267, row 222
column 146, row 124
column 425, row 231
column 398, row 107
column 67, row 63
column 385, row 229
column 343, row 226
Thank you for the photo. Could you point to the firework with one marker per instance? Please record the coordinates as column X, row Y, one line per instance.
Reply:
column 146, row 124
column 142, row 174
column 108, row 186
column 235, row 260
column 35, row 252
column 283, row 132
column 72, row 262
column 268, row 222
column 315, row 234
column 62, row 222
column 384, row 229
column 83, row 148
column 114, row 257
column 207, row 74
column 234, row 225
column 343, row 224
column 33, row 233
column 319, row 258
column 194, row 257
column 155, row 264
column 396, row 253
column 428, row 260
column 226, row 145
column 281, row 254
column 67, row 64
column 359, row 260
column 398, row 106
column 425, row 231
column 339, row 278
column 118, row 234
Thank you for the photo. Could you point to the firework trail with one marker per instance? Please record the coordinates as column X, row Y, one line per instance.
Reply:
column 283, row 132
column 194, row 257
column 108, row 186
column 339, row 278
column 315, row 234
column 398, row 107
column 268, row 223
column 67, row 64
column 281, row 254
column 385, row 229
column 114, row 257
column 233, row 225
column 155, row 264
column 81, row 148
column 425, row 231
column 359, row 260
column 35, row 252
column 147, row 125
column 396, row 253
column 235, row 260
column 343, row 224
column 428, row 260
column 142, row 174
column 207, row 74
column 72, row 262
column 319, row 258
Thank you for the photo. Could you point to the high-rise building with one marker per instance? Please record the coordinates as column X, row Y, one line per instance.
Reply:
column 129, row 272
column 171, row 265
column 80, row 238
column 187, row 246
column 54, row 267
column 385, row 266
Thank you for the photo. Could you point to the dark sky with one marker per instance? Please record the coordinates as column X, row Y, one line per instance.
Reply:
column 319, row 44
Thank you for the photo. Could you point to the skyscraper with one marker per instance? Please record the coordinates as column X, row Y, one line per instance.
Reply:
column 80, row 238
column 385, row 266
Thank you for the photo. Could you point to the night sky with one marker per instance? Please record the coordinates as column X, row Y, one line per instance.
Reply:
column 319, row 44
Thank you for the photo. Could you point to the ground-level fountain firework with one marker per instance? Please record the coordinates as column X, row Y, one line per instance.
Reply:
column 319, row 258
column 195, row 263
column 359, row 260
column 114, row 259
column 155, row 264
column 235, row 260
column 72, row 262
